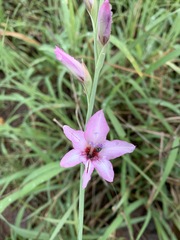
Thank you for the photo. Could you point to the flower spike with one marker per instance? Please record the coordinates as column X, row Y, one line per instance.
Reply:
column 104, row 22
column 93, row 150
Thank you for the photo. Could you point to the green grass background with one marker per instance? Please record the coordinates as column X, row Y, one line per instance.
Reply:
column 139, row 91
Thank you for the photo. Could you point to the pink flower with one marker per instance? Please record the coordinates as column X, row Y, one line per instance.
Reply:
column 93, row 150
column 104, row 22
column 77, row 68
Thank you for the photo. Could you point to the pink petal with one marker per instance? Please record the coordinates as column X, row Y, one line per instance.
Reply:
column 105, row 169
column 116, row 148
column 96, row 129
column 76, row 137
column 89, row 168
column 71, row 159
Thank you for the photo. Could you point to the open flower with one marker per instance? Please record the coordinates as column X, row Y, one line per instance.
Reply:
column 93, row 150
column 104, row 22
column 78, row 69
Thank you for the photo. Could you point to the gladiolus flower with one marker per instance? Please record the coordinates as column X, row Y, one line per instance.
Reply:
column 78, row 69
column 93, row 150
column 104, row 22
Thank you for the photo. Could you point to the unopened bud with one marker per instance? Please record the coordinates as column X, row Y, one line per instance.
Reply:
column 104, row 22
column 78, row 69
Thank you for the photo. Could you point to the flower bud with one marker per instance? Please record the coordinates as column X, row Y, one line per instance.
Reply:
column 78, row 69
column 104, row 22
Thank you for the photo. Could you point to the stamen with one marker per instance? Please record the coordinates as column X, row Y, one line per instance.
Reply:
column 88, row 167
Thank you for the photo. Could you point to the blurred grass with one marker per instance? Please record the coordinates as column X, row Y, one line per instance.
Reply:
column 139, row 92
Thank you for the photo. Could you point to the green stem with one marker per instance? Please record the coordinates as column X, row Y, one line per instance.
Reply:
column 93, row 95
column 98, row 68
column 95, row 41
column 81, row 205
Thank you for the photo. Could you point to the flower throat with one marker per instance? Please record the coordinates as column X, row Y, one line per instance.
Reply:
column 92, row 152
